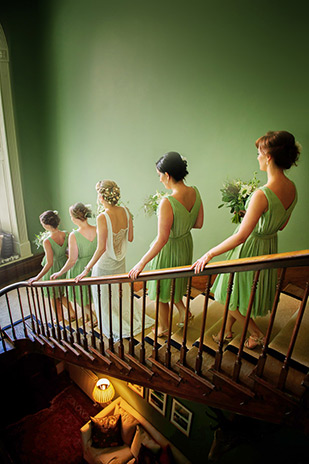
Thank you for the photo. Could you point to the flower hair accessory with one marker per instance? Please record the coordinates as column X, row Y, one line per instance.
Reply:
column 109, row 191
column 55, row 211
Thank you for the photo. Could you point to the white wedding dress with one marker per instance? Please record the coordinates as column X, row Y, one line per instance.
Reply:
column 113, row 262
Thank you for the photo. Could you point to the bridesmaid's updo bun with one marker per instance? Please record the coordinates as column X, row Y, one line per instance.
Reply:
column 50, row 218
column 174, row 164
column 281, row 146
column 109, row 190
column 80, row 211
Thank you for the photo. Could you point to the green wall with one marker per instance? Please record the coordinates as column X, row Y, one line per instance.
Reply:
column 103, row 88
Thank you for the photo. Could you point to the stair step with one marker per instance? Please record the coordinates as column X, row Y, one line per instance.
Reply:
column 301, row 348
column 294, row 379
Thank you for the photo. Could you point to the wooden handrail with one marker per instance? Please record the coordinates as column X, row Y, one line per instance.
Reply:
column 277, row 260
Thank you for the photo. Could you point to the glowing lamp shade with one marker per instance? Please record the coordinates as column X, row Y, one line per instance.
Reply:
column 103, row 391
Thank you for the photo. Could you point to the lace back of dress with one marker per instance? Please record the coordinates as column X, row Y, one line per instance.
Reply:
column 118, row 243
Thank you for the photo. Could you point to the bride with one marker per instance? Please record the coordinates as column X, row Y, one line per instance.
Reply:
column 114, row 230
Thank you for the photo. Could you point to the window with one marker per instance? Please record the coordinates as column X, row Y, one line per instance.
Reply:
column 12, row 213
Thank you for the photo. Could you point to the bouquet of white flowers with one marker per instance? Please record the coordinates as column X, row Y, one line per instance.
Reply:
column 39, row 238
column 235, row 194
column 152, row 203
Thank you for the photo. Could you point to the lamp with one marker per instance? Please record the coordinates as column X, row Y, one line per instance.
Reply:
column 103, row 391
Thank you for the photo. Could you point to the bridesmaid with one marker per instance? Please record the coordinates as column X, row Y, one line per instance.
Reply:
column 55, row 247
column 179, row 212
column 268, row 210
column 82, row 244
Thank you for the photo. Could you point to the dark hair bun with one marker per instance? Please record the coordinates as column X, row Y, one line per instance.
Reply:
column 50, row 218
column 281, row 146
column 174, row 164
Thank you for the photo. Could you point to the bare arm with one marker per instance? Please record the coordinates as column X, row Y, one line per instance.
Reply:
column 73, row 255
column 165, row 221
column 200, row 218
column 101, row 246
column 257, row 206
column 49, row 261
column 130, row 232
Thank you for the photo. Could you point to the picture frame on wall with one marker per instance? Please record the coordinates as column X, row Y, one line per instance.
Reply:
column 181, row 417
column 158, row 400
column 139, row 389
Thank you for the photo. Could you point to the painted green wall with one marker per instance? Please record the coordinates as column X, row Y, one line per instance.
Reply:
column 103, row 88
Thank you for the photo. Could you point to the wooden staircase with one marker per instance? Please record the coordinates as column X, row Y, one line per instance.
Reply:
column 269, row 383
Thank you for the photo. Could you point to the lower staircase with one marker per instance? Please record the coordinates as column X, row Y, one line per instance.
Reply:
column 268, row 383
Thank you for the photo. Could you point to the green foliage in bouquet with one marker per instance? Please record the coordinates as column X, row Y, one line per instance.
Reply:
column 152, row 203
column 235, row 194
column 39, row 238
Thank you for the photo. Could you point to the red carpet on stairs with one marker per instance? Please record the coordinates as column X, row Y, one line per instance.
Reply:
column 51, row 436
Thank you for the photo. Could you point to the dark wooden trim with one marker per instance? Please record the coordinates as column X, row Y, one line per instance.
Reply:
column 20, row 270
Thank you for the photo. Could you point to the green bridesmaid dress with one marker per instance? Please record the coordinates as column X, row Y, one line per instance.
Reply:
column 86, row 249
column 178, row 251
column 262, row 241
column 59, row 259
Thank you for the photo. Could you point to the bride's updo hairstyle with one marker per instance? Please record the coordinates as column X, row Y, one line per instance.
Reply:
column 109, row 190
column 80, row 211
column 173, row 164
column 281, row 146
column 50, row 218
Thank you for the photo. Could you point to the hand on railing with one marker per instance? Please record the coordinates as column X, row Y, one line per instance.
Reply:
column 55, row 275
column 82, row 275
column 199, row 265
column 33, row 279
column 136, row 270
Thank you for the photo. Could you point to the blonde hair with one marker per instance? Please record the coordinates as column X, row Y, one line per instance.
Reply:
column 81, row 211
column 109, row 190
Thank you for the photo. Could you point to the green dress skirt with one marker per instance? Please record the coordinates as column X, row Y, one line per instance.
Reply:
column 262, row 241
column 178, row 251
column 59, row 259
column 86, row 249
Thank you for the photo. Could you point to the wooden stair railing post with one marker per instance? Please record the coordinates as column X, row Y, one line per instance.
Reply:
column 30, row 310
column 39, row 311
column 111, row 340
column 238, row 362
column 71, row 338
column 85, row 341
column 37, row 330
column 142, row 351
column 52, row 331
column 22, row 313
column 170, row 323
column 155, row 340
column 78, row 339
column 64, row 332
column 199, row 357
column 287, row 360
column 219, row 352
column 262, row 359
column 57, row 317
column 44, row 312
column 120, row 346
column 131, row 341
column 10, row 316
column 184, row 349
column 102, row 348
column 93, row 341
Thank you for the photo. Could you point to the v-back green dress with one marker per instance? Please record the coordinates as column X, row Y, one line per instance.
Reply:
column 86, row 249
column 59, row 258
column 178, row 251
column 262, row 241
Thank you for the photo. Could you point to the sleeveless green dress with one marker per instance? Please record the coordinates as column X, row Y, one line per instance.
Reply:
column 262, row 241
column 86, row 249
column 59, row 259
column 178, row 251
